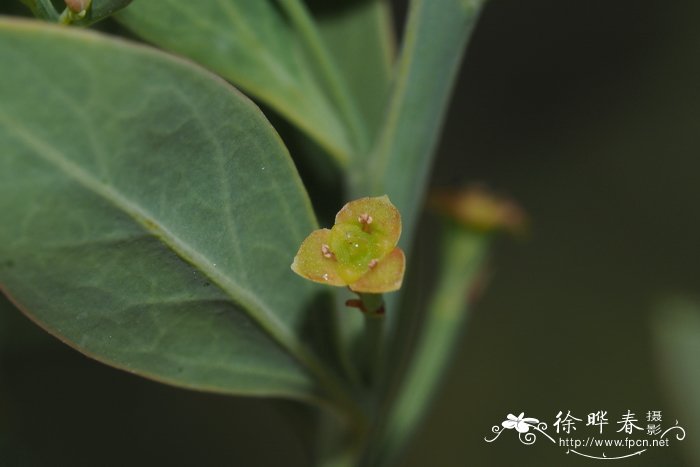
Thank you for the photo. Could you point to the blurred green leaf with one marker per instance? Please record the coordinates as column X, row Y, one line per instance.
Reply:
column 462, row 258
column 436, row 36
column 677, row 333
column 437, row 33
column 363, row 26
column 142, row 201
column 253, row 45
column 43, row 9
column 101, row 9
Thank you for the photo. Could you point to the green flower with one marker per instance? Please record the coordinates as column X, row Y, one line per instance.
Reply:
column 359, row 251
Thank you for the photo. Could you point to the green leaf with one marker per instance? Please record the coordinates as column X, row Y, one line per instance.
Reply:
column 252, row 44
column 149, row 214
column 462, row 256
column 676, row 329
column 437, row 33
column 101, row 9
column 363, row 26
column 436, row 36
column 43, row 9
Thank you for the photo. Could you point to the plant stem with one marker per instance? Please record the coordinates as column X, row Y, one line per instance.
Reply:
column 66, row 17
column 339, row 444
column 371, row 350
column 462, row 257
column 373, row 343
column 373, row 304
column 339, row 91
column 344, row 334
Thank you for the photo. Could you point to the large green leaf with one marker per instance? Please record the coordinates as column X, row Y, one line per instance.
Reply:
column 252, row 44
column 149, row 214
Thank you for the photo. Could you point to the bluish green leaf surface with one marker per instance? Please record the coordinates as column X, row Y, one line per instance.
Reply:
column 252, row 44
column 462, row 257
column 361, row 40
column 437, row 32
column 149, row 214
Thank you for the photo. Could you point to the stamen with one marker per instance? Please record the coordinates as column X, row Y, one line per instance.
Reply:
column 373, row 263
column 326, row 251
column 365, row 219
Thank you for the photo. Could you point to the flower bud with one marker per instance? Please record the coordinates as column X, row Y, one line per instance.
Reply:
column 78, row 6
column 478, row 209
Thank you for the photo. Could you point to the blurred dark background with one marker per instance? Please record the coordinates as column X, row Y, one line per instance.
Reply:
column 587, row 113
